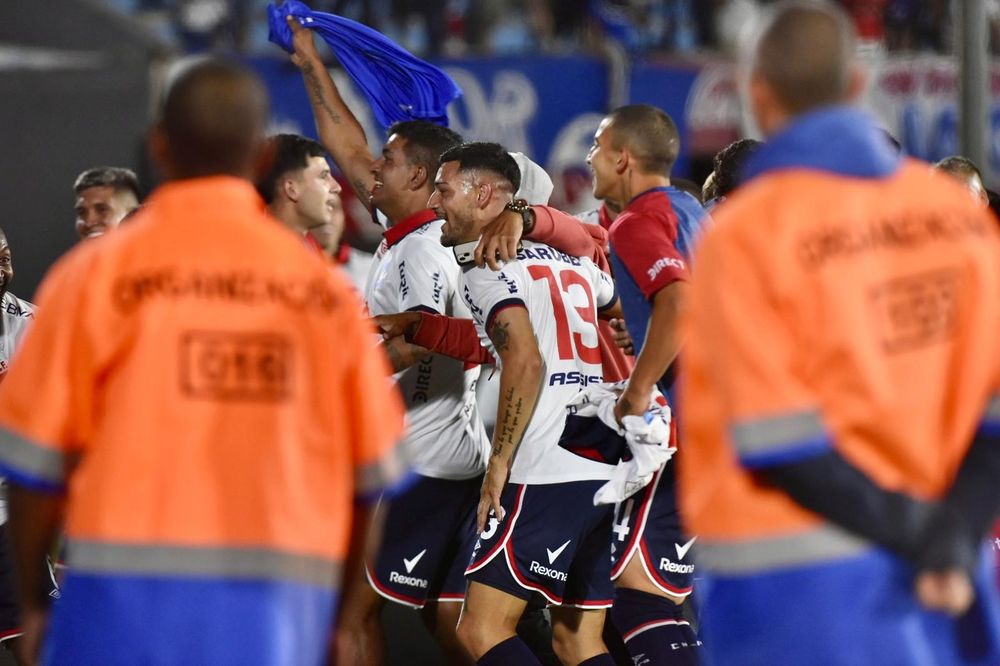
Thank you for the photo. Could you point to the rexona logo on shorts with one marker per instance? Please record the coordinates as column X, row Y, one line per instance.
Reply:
column 673, row 567
column 543, row 570
column 412, row 581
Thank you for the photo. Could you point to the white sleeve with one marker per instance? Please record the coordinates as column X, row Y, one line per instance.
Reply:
column 422, row 277
column 605, row 291
column 488, row 292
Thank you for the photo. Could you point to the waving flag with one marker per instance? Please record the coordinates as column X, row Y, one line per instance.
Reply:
column 398, row 85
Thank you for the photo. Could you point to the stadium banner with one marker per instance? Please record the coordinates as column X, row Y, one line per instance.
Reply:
column 546, row 107
column 549, row 107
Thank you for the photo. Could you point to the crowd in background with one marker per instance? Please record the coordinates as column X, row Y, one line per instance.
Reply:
column 460, row 27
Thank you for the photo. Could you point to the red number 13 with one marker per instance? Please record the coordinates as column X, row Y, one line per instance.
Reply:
column 566, row 345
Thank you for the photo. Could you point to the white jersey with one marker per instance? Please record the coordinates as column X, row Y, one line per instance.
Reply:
column 357, row 267
column 562, row 295
column 412, row 271
column 15, row 317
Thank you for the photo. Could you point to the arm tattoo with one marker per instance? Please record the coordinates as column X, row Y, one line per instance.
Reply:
column 508, row 424
column 316, row 92
column 500, row 336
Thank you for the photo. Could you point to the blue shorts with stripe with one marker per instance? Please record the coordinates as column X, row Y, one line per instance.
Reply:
column 429, row 533
column 553, row 542
column 859, row 609
column 648, row 527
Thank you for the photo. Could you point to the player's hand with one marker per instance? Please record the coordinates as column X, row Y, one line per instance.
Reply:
column 401, row 324
column 489, row 495
column 945, row 591
column 499, row 239
column 302, row 42
column 621, row 336
column 29, row 645
column 632, row 402
column 403, row 354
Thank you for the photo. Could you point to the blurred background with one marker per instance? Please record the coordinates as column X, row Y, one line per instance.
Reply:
column 78, row 79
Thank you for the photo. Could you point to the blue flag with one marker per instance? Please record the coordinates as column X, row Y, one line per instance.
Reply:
column 398, row 85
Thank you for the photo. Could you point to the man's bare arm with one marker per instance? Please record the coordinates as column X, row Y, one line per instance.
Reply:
column 520, row 383
column 34, row 520
column 339, row 131
column 658, row 351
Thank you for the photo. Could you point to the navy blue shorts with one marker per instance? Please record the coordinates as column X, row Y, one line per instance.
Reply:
column 553, row 542
column 430, row 530
column 648, row 526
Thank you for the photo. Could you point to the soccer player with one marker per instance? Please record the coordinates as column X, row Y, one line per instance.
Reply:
column 966, row 172
column 16, row 316
column 841, row 384
column 104, row 196
column 634, row 150
column 299, row 188
column 541, row 533
column 429, row 528
column 727, row 164
column 179, row 392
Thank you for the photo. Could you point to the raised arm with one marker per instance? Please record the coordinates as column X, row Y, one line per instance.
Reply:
column 339, row 131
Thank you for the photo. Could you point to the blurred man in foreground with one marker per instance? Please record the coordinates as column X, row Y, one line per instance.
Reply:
column 180, row 393
column 841, row 386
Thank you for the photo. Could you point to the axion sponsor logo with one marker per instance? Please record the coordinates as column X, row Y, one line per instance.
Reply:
column 672, row 567
column 662, row 263
column 543, row 570
column 411, row 581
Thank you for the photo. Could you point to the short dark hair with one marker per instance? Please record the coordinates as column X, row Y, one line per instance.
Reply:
column 958, row 165
column 425, row 142
column 291, row 153
column 213, row 118
column 119, row 178
column 650, row 135
column 728, row 163
column 482, row 155
column 806, row 53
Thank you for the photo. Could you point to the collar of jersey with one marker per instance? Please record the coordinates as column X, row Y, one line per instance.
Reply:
column 841, row 140
column 398, row 232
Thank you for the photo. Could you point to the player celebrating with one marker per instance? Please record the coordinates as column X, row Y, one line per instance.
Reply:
column 633, row 152
column 429, row 530
column 543, row 306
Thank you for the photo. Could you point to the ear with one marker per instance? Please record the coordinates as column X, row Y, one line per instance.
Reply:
column 159, row 150
column 763, row 103
column 289, row 189
column 623, row 161
column 418, row 177
column 856, row 82
column 266, row 151
column 484, row 195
